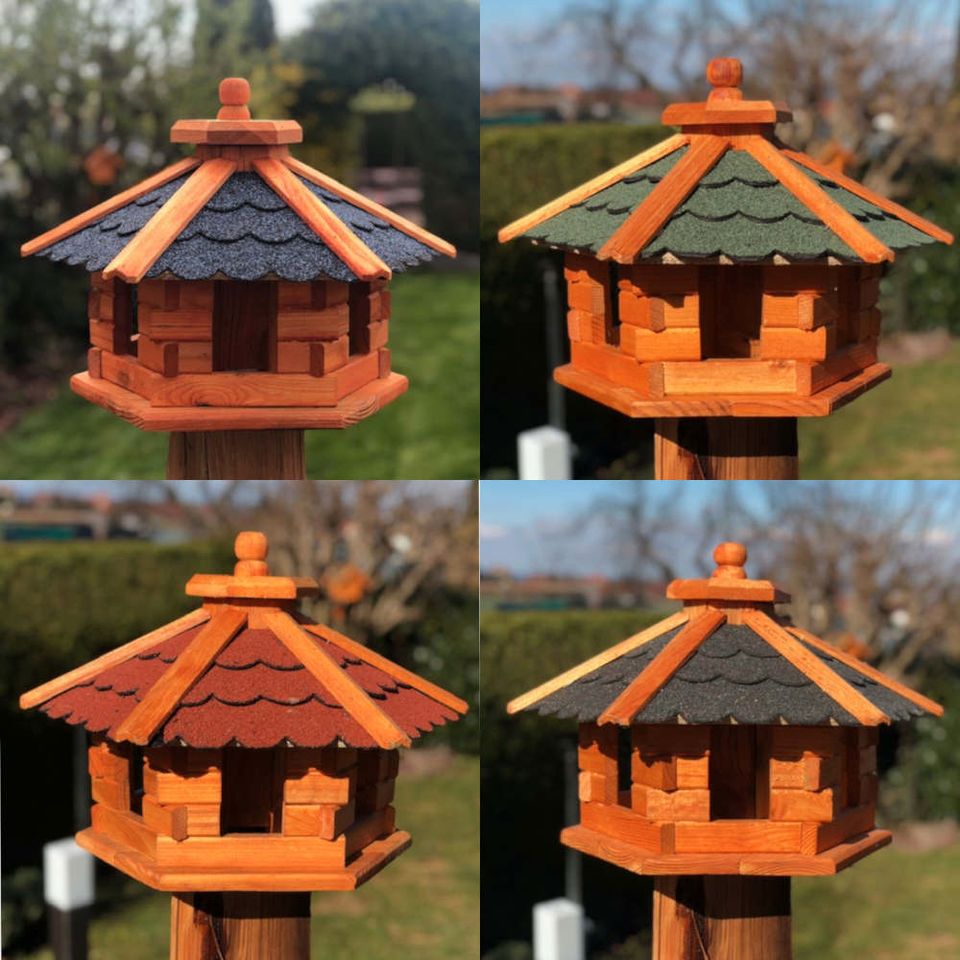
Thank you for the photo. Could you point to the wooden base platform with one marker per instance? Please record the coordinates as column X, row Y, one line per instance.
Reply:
column 369, row 861
column 353, row 408
column 633, row 403
column 630, row 857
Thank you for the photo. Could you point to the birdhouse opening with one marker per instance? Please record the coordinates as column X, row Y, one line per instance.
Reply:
column 737, row 789
column 135, row 768
column 251, row 791
column 244, row 325
column 731, row 308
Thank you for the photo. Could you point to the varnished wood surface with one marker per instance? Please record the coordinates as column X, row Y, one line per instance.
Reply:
column 237, row 455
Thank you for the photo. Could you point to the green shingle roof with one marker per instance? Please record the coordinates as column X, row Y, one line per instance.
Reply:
column 738, row 210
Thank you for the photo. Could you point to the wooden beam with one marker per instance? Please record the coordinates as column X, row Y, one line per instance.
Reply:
column 372, row 207
column 352, row 697
column 392, row 669
column 812, row 667
column 663, row 666
column 864, row 193
column 680, row 181
column 588, row 189
column 857, row 664
column 341, row 240
column 812, row 196
column 161, row 700
column 140, row 254
column 111, row 658
column 115, row 202
column 594, row 663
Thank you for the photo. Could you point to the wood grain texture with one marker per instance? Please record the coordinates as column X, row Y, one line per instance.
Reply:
column 315, row 213
column 142, row 722
column 372, row 207
column 645, row 221
column 88, row 671
column 812, row 196
column 101, row 210
column 390, row 668
column 815, row 669
column 350, row 695
column 595, row 185
column 663, row 666
column 140, row 254
column 604, row 657
column 237, row 455
column 868, row 671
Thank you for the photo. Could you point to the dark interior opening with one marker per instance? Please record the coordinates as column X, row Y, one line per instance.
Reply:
column 612, row 325
column 736, row 792
column 135, row 769
column 731, row 310
column 124, row 318
column 624, row 755
column 244, row 325
column 251, row 790
column 850, row 772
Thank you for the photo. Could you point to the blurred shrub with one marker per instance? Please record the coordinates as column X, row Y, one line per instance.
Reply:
column 23, row 909
column 522, row 786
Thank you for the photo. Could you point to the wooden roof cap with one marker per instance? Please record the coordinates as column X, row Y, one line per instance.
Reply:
column 251, row 578
column 233, row 124
column 725, row 105
column 728, row 582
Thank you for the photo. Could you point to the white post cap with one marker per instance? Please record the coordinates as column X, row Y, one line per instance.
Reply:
column 558, row 930
column 544, row 453
column 68, row 879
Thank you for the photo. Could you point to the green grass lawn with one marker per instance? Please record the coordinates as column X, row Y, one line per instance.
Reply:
column 426, row 904
column 432, row 432
column 905, row 428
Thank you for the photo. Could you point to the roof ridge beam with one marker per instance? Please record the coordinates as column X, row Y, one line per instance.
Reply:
column 814, row 669
column 81, row 220
column 664, row 665
column 811, row 195
column 586, row 190
column 163, row 697
column 855, row 663
column 677, row 184
column 318, row 217
column 394, row 670
column 84, row 674
column 351, row 696
column 864, row 193
column 601, row 659
column 404, row 225
column 152, row 239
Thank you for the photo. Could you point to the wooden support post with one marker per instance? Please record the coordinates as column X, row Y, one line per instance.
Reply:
column 721, row 918
column 726, row 448
column 237, row 455
column 240, row 926
column 67, row 932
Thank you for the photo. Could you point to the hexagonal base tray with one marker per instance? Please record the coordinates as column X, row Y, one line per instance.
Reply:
column 353, row 408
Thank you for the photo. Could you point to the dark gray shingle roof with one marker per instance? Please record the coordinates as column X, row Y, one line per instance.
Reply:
column 245, row 232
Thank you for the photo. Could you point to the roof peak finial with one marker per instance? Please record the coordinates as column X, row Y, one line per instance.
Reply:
column 730, row 558
column 234, row 97
column 725, row 75
column 251, row 549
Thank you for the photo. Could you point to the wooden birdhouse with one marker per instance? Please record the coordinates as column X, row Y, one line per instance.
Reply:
column 245, row 748
column 722, row 275
column 239, row 290
column 726, row 741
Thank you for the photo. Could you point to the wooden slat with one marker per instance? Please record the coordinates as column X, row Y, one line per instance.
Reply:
column 864, row 193
column 335, row 234
column 392, row 669
column 350, row 695
column 646, row 220
column 372, row 207
column 868, row 671
column 812, row 196
column 142, row 722
column 115, row 202
column 601, row 659
column 812, row 667
column 588, row 189
column 663, row 666
column 140, row 254
column 88, row 671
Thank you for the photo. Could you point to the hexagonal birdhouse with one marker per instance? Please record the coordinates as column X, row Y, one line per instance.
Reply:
column 243, row 747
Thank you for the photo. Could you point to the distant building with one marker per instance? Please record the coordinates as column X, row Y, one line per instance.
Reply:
column 500, row 590
column 568, row 103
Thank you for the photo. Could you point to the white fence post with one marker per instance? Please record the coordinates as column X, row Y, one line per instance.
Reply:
column 69, row 892
column 558, row 930
column 544, row 453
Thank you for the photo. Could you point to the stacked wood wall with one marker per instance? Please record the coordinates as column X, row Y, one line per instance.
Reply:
column 313, row 324
column 659, row 309
column 319, row 792
column 175, row 321
column 182, row 791
column 110, row 312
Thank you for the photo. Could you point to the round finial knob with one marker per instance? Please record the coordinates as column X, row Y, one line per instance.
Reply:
column 234, row 97
column 251, row 548
column 725, row 75
column 730, row 559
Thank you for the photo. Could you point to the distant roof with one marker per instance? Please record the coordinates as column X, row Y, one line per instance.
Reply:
column 725, row 188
